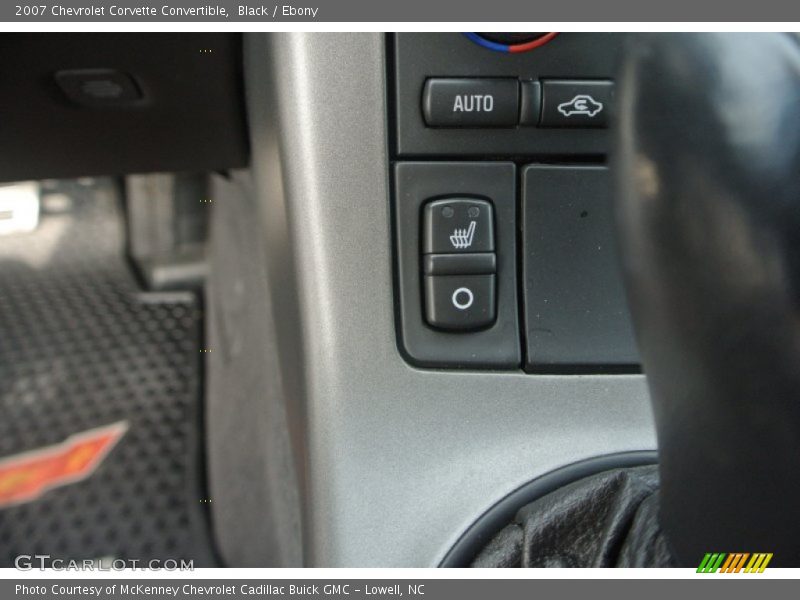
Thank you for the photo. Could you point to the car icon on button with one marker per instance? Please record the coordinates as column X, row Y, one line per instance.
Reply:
column 582, row 104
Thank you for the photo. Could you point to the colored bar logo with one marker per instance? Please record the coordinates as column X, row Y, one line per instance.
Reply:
column 744, row 562
column 25, row 477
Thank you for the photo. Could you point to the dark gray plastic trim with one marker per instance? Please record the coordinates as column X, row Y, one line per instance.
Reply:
column 190, row 116
column 415, row 183
column 418, row 56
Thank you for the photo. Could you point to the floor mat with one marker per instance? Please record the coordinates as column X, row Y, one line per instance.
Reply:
column 82, row 347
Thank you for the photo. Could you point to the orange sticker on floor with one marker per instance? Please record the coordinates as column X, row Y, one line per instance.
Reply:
column 25, row 477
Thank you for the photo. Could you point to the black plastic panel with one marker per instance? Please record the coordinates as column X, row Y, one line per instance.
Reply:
column 417, row 56
column 497, row 346
column 575, row 316
column 576, row 312
column 190, row 118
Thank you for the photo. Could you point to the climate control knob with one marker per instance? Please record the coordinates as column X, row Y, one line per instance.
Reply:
column 511, row 42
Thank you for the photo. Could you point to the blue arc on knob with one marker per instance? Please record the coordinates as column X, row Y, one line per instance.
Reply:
column 509, row 48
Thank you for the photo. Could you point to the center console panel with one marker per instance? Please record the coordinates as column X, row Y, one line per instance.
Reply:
column 499, row 156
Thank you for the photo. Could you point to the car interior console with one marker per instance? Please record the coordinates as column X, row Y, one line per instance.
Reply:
column 398, row 261
column 505, row 250
column 388, row 300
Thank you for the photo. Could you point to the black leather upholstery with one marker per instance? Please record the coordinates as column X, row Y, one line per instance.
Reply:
column 608, row 520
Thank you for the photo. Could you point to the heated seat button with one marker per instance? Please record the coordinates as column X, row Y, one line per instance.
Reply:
column 460, row 302
column 456, row 225
column 567, row 103
column 486, row 102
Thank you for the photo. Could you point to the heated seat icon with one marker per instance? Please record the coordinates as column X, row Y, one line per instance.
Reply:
column 462, row 238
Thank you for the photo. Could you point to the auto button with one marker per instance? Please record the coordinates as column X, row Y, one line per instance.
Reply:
column 470, row 102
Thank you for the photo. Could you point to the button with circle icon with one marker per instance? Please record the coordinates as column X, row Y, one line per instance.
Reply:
column 460, row 302
column 463, row 298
